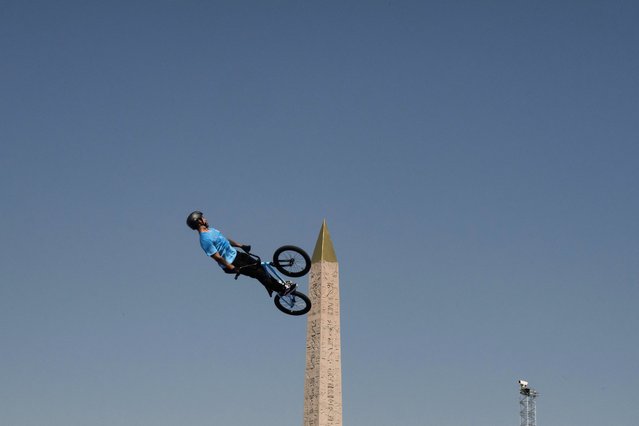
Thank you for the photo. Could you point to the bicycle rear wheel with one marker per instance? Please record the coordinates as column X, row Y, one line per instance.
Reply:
column 292, row 261
column 295, row 303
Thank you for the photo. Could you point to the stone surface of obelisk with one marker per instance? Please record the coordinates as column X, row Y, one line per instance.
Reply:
column 323, row 380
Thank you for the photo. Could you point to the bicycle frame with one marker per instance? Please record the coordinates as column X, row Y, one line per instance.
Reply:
column 268, row 267
column 293, row 302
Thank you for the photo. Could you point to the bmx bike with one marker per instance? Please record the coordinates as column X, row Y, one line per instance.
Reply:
column 293, row 262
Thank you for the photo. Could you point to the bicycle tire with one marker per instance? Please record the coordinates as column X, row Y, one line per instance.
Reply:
column 295, row 303
column 292, row 261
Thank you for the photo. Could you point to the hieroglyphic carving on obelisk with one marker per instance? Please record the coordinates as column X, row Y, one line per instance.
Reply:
column 323, row 381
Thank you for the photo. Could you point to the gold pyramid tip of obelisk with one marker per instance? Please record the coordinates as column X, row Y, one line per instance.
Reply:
column 324, row 250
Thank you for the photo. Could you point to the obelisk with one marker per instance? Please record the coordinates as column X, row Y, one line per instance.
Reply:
column 323, row 380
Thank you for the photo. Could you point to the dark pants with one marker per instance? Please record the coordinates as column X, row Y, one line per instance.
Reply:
column 254, row 270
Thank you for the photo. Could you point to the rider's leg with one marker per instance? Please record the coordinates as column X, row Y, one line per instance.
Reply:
column 255, row 270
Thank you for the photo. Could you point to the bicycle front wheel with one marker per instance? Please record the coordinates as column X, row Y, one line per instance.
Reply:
column 295, row 303
column 292, row 261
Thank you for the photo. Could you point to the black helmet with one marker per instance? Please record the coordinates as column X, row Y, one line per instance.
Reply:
column 193, row 221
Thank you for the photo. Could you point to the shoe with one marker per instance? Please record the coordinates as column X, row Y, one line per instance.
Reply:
column 289, row 287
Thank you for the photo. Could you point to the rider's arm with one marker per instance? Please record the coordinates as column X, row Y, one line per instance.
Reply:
column 244, row 247
column 219, row 259
column 234, row 243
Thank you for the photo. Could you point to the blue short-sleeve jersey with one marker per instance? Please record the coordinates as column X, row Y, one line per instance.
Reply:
column 212, row 241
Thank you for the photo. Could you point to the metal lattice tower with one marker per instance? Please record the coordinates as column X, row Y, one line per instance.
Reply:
column 527, row 405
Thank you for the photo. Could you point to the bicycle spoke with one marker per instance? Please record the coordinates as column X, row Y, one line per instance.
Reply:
column 293, row 303
column 293, row 262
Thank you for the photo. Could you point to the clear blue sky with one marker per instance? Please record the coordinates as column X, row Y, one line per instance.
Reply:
column 477, row 164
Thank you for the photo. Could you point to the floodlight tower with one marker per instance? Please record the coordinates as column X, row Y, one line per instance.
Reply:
column 527, row 406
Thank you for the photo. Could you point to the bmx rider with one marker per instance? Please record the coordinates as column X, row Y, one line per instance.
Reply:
column 222, row 250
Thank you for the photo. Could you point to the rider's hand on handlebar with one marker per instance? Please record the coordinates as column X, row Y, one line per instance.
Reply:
column 246, row 248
